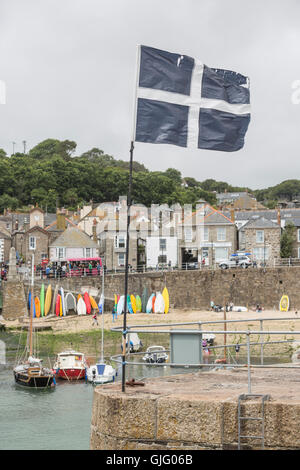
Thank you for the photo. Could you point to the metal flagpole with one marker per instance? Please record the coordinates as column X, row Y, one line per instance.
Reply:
column 128, row 222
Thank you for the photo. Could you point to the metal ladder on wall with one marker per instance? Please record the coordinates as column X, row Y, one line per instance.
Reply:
column 242, row 419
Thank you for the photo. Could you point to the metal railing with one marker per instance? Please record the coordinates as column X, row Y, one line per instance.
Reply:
column 142, row 269
column 167, row 328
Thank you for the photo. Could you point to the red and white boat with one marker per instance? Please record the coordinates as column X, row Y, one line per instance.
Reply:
column 70, row 365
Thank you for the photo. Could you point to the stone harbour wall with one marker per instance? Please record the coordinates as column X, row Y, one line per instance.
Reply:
column 196, row 289
column 185, row 413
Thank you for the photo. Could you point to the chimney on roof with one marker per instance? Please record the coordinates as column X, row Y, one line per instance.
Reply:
column 60, row 220
column 232, row 214
column 278, row 216
column 94, row 228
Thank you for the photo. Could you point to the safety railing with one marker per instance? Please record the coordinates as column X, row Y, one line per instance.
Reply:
column 168, row 328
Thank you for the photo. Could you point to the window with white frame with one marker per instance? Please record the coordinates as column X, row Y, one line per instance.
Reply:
column 205, row 234
column 298, row 234
column 121, row 259
column 221, row 234
column 120, row 241
column 299, row 252
column 260, row 236
column 60, row 253
column 261, row 253
column 87, row 252
column 32, row 243
column 188, row 234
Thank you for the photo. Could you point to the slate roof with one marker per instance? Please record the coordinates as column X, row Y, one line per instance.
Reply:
column 73, row 237
column 260, row 223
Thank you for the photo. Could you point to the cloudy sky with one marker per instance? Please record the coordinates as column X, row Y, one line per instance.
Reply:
column 69, row 68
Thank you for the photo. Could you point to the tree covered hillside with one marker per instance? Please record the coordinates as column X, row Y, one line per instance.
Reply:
column 52, row 176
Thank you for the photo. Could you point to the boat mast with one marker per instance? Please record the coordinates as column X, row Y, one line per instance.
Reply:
column 102, row 336
column 31, row 306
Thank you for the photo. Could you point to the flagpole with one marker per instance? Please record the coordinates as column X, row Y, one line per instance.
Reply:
column 129, row 197
column 126, row 269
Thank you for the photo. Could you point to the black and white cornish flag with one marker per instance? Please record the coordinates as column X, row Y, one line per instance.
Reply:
column 183, row 102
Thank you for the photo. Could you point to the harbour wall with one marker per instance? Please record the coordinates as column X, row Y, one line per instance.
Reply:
column 196, row 289
column 173, row 420
column 187, row 289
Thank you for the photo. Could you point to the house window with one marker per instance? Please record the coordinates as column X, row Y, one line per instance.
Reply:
column 87, row 252
column 298, row 234
column 162, row 259
column 205, row 234
column 162, row 244
column 32, row 243
column 221, row 254
column 44, row 256
column 188, row 236
column 260, row 236
column 299, row 252
column 121, row 259
column 261, row 253
column 120, row 241
column 60, row 253
column 221, row 234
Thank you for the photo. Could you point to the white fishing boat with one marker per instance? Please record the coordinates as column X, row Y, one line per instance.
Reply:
column 156, row 354
column 101, row 373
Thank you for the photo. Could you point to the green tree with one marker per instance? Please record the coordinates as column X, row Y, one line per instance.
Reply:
column 8, row 202
column 287, row 240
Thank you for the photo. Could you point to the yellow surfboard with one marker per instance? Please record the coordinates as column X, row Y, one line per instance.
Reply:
column 93, row 302
column 48, row 300
column 133, row 303
column 284, row 303
column 165, row 295
column 60, row 307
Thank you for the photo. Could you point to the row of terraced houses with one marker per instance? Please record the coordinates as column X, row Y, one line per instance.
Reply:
column 159, row 235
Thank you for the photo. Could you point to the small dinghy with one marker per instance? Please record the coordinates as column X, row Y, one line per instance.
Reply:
column 156, row 354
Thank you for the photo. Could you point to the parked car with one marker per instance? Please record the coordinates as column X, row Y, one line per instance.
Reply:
column 190, row 265
column 236, row 261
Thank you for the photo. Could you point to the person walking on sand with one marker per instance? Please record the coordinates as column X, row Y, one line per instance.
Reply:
column 95, row 320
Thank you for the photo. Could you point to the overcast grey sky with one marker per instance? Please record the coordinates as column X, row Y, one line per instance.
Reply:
column 69, row 68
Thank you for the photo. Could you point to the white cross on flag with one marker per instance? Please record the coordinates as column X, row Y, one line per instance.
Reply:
column 183, row 102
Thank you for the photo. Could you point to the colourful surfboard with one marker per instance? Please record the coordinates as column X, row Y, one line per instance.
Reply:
column 138, row 303
column 284, row 303
column 165, row 295
column 57, row 305
column 129, row 306
column 48, row 300
column 153, row 303
column 133, row 303
column 37, row 307
column 93, row 302
column 87, row 302
column 149, row 304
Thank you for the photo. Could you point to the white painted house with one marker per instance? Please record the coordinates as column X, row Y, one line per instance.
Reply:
column 161, row 250
column 72, row 243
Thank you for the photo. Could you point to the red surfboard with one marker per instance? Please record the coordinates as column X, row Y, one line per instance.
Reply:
column 153, row 302
column 57, row 305
column 87, row 302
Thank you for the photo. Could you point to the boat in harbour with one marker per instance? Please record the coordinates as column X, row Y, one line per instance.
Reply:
column 156, row 355
column 70, row 365
column 29, row 371
column 101, row 373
